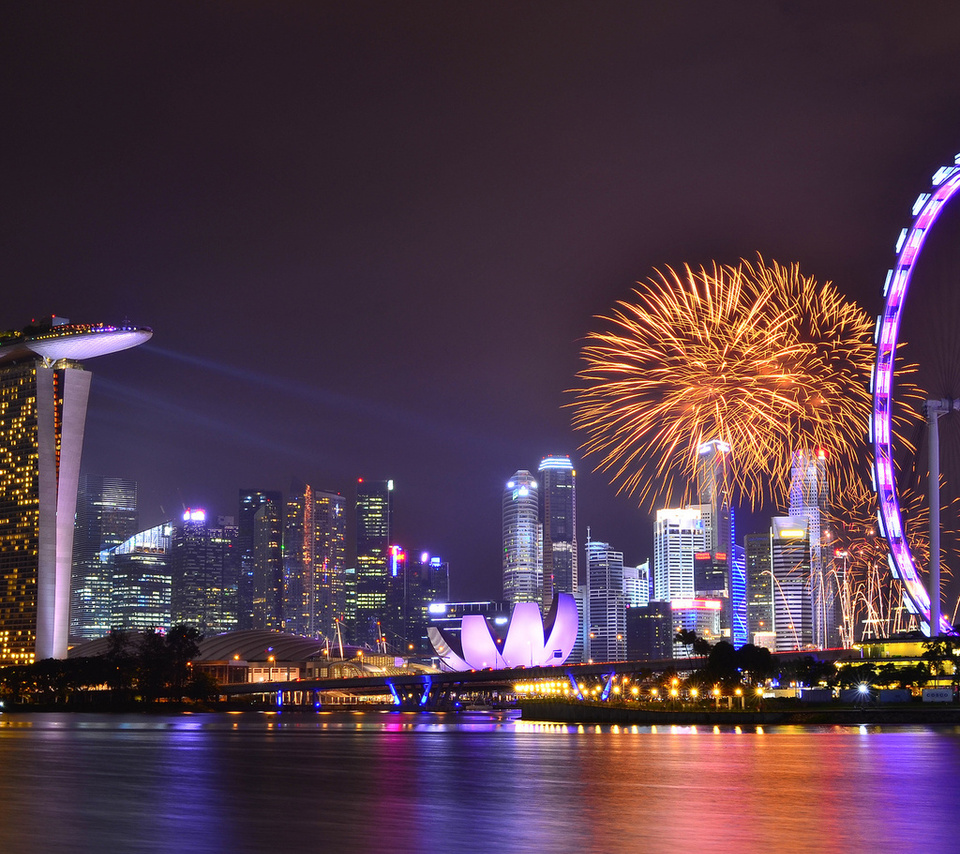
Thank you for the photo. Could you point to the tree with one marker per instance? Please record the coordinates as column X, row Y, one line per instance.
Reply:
column 687, row 638
column 183, row 645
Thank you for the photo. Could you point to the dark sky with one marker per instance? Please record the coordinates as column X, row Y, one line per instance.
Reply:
column 371, row 236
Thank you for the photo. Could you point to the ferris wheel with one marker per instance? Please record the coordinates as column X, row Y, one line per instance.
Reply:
column 945, row 183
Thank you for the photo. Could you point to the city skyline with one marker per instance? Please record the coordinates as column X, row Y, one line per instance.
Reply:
column 378, row 254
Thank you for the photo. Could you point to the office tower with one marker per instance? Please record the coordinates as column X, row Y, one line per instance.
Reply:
column 204, row 570
column 792, row 602
column 720, row 579
column 759, row 585
column 522, row 540
column 250, row 502
column 299, row 534
column 810, row 499
column 330, row 525
column 268, row 567
column 140, row 580
column 43, row 405
column 374, row 521
column 582, row 643
column 679, row 534
column 558, row 515
column 739, row 617
column 636, row 584
column 106, row 517
column 416, row 583
column 699, row 615
column 607, row 608
column 650, row 632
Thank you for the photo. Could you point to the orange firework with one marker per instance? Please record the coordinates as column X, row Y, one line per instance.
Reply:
column 755, row 355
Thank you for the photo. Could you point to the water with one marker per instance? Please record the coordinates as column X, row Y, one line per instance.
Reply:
column 434, row 783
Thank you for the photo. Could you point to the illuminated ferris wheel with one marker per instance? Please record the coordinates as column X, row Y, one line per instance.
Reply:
column 946, row 182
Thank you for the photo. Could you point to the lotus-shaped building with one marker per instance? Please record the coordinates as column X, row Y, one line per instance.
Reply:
column 531, row 641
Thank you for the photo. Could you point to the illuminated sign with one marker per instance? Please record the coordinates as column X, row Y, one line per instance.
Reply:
column 792, row 532
column 701, row 556
column 696, row 605
column 437, row 608
column 194, row 515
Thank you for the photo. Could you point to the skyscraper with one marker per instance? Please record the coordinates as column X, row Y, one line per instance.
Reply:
column 522, row 540
column 607, row 608
column 140, row 573
column 298, row 569
column 329, row 559
column 268, row 567
column 792, row 602
column 679, row 534
column 810, row 499
column 759, row 584
column 374, row 521
column 106, row 517
column 558, row 515
column 250, row 501
column 43, row 405
column 204, row 571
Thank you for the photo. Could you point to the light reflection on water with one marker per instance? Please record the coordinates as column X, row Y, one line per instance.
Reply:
column 417, row 782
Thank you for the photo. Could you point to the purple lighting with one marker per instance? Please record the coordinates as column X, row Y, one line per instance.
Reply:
column 927, row 208
column 530, row 641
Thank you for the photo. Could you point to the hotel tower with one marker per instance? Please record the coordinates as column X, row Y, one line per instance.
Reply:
column 43, row 406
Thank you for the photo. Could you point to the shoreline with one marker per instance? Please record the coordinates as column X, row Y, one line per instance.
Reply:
column 588, row 713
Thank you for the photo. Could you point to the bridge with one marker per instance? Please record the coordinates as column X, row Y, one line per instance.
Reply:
column 440, row 690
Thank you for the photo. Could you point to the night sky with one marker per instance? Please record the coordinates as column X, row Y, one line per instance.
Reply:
column 370, row 237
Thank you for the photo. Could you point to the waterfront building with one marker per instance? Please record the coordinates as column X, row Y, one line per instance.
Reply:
column 374, row 524
column 558, row 516
column 140, row 580
column 204, row 572
column 251, row 500
column 792, row 601
column 679, row 534
column 810, row 499
column 759, row 585
column 522, row 540
column 607, row 603
column 650, row 632
column 43, row 404
column 106, row 517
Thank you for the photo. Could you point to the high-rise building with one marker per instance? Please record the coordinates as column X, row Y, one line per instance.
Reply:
column 636, row 585
column 650, row 632
column 607, row 605
column 141, row 585
column 106, row 517
column 204, row 570
column 679, row 534
column 299, row 540
column 330, row 525
column 810, row 499
column 759, row 584
column 268, row 566
column 43, row 406
column 250, row 502
column 374, row 523
column 792, row 602
column 416, row 583
column 558, row 515
column 522, row 540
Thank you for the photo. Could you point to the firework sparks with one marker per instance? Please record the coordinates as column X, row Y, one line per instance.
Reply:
column 756, row 355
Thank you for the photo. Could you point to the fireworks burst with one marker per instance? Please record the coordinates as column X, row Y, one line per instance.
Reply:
column 755, row 355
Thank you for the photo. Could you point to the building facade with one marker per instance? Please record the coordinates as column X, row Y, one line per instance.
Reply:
column 106, row 517
column 558, row 516
column 679, row 534
column 607, row 608
column 374, row 524
column 790, row 565
column 251, row 500
column 43, row 404
column 759, row 584
column 522, row 540
column 140, row 580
